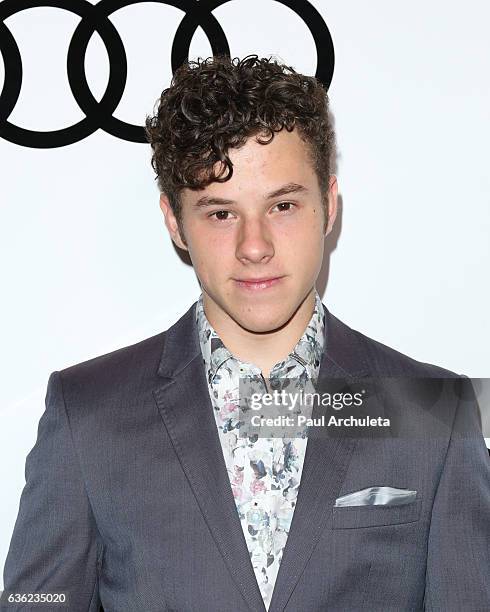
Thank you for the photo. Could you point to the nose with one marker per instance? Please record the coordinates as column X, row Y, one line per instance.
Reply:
column 254, row 243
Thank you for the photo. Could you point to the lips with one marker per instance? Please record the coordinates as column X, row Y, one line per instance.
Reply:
column 255, row 284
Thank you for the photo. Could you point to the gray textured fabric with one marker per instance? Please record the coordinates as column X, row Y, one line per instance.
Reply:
column 127, row 501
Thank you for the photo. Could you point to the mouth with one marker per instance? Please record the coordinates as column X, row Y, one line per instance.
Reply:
column 258, row 284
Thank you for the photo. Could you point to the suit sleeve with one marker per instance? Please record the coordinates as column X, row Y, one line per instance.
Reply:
column 55, row 546
column 458, row 560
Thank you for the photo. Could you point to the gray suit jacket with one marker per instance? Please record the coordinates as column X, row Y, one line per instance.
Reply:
column 127, row 502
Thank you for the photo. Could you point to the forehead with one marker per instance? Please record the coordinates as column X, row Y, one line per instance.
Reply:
column 260, row 168
column 285, row 149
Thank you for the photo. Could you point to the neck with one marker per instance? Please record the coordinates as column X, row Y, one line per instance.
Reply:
column 263, row 349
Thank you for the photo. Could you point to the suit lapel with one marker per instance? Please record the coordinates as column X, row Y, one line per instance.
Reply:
column 325, row 465
column 185, row 406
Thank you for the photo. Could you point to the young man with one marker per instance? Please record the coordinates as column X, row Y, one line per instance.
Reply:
column 142, row 495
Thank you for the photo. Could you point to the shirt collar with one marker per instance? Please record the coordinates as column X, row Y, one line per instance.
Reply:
column 307, row 352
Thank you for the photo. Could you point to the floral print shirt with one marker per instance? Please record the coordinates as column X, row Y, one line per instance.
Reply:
column 265, row 473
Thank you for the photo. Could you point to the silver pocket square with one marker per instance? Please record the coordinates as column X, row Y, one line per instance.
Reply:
column 377, row 496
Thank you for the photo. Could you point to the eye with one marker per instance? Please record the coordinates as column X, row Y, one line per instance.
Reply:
column 220, row 215
column 284, row 206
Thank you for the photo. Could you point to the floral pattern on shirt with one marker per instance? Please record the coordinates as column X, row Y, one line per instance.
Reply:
column 265, row 473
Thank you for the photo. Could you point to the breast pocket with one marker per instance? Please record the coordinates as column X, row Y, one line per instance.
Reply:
column 355, row 517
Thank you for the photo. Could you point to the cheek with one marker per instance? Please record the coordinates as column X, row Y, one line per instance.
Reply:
column 305, row 256
column 208, row 251
column 302, row 241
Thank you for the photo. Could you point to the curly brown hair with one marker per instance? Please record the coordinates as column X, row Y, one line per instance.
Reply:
column 215, row 104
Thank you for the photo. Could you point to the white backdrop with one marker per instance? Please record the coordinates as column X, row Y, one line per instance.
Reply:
column 88, row 267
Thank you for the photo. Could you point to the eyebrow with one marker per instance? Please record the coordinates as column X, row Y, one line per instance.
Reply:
column 277, row 193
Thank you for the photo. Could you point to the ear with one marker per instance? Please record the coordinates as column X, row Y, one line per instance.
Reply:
column 171, row 222
column 332, row 197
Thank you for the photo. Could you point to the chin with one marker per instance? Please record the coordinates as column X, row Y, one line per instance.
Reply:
column 258, row 322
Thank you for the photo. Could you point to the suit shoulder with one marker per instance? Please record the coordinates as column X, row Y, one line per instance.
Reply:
column 117, row 367
column 382, row 360
column 399, row 364
column 129, row 370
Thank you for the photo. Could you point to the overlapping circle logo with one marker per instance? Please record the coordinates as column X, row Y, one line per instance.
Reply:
column 95, row 18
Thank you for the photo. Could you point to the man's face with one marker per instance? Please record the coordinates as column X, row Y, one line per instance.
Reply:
column 264, row 224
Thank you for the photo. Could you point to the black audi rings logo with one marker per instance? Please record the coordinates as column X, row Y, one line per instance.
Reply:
column 95, row 18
